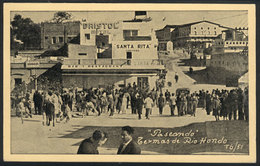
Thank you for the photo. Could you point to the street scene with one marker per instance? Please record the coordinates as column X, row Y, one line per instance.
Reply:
column 140, row 82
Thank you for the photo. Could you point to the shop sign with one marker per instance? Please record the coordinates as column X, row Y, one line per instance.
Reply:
column 101, row 25
column 32, row 64
column 133, row 46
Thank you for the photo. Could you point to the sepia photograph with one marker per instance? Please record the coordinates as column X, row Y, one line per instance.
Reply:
column 137, row 83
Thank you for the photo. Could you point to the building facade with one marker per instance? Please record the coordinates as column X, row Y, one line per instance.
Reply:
column 196, row 36
column 27, row 72
column 165, row 37
column 230, row 52
column 55, row 35
column 113, row 53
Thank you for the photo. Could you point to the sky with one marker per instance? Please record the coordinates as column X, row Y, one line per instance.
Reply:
column 224, row 17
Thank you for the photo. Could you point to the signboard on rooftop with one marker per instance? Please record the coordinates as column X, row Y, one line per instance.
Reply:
column 32, row 64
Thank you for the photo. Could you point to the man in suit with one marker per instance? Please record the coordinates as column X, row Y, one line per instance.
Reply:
column 128, row 146
column 90, row 145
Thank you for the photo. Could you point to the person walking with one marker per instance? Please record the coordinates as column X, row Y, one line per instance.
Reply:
column 139, row 105
column 172, row 103
column 176, row 77
column 161, row 103
column 148, row 104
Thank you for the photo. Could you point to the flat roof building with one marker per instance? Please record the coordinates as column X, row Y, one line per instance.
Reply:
column 113, row 53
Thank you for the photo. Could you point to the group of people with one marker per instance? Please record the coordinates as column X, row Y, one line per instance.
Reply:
column 57, row 106
column 232, row 105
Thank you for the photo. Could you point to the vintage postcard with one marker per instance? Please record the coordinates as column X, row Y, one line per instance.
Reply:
column 129, row 82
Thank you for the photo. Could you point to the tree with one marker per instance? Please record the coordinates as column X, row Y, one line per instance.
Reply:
column 61, row 16
column 27, row 31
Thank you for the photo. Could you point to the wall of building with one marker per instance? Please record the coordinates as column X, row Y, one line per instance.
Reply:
column 89, row 30
column 138, row 49
column 76, row 51
column 234, row 62
column 54, row 35
column 25, row 73
column 94, row 81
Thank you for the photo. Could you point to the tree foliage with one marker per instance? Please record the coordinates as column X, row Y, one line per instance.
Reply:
column 61, row 16
column 27, row 31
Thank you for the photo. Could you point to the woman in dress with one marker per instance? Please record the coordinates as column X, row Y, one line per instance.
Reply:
column 124, row 103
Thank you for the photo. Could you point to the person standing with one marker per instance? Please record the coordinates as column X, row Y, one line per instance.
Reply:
column 148, row 104
column 139, row 105
column 194, row 104
column 110, row 104
column 128, row 146
column 172, row 103
column 90, row 145
column 133, row 102
column 176, row 77
column 37, row 99
column 21, row 108
column 161, row 103
column 124, row 103
column 240, row 104
column 245, row 101
column 216, row 107
column 208, row 102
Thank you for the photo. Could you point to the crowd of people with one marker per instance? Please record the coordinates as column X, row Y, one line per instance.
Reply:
column 56, row 106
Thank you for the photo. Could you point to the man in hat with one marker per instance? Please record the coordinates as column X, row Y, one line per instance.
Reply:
column 128, row 146
column 90, row 145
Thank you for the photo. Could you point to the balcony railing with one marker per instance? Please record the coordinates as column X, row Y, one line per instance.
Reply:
column 120, row 62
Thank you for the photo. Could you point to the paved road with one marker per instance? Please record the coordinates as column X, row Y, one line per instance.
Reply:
column 173, row 65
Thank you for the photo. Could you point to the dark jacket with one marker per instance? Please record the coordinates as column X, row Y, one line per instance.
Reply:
column 131, row 148
column 87, row 147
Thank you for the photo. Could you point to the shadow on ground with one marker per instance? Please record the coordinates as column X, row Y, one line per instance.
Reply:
column 233, row 131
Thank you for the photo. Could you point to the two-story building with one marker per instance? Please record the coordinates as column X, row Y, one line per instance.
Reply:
column 165, row 37
column 113, row 53
column 55, row 35
column 196, row 36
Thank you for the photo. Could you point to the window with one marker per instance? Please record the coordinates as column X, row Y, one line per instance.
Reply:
column 215, row 32
column 17, row 81
column 226, row 42
column 240, row 43
column 53, row 40
column 215, row 28
column 208, row 27
column 127, row 33
column 61, row 39
column 243, row 42
column 87, row 36
column 237, row 43
column 194, row 27
column 46, row 37
column 201, row 27
column 129, row 55
column 82, row 54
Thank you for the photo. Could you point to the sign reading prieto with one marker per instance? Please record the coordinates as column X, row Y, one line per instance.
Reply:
column 101, row 25
column 32, row 64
